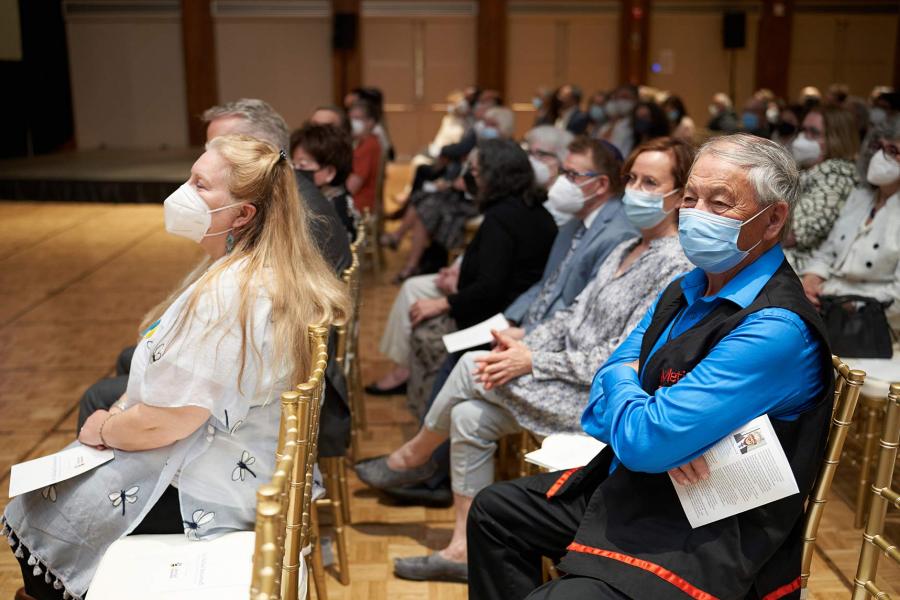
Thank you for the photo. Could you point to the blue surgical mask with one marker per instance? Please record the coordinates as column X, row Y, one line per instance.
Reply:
column 710, row 241
column 750, row 120
column 489, row 133
column 643, row 209
column 598, row 114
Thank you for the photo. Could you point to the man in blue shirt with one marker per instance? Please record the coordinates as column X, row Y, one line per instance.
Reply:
column 730, row 341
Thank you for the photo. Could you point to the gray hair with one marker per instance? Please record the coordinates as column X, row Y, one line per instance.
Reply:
column 550, row 139
column 260, row 120
column 505, row 119
column 771, row 170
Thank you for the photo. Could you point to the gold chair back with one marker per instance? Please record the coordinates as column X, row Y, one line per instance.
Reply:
column 848, row 383
column 266, row 562
column 874, row 541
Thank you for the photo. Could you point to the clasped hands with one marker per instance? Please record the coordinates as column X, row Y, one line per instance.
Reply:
column 508, row 359
column 90, row 431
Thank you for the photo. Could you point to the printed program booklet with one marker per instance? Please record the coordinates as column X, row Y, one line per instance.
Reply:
column 747, row 468
column 476, row 335
column 47, row 470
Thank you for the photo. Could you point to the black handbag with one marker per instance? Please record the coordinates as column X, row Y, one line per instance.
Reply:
column 857, row 326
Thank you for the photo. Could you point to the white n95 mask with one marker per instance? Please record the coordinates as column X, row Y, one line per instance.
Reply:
column 541, row 171
column 567, row 197
column 188, row 216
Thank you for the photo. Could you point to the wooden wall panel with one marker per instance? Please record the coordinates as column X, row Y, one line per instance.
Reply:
column 695, row 66
column 553, row 44
column 417, row 56
column 855, row 49
column 284, row 61
column 127, row 80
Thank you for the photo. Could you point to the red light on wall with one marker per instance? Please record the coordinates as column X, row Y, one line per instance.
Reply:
column 637, row 12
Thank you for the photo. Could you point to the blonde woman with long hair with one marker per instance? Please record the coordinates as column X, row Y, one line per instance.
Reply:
column 195, row 434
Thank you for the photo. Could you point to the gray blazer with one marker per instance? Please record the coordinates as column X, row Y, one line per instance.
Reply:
column 609, row 229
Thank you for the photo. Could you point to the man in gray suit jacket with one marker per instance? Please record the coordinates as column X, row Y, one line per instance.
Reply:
column 598, row 225
column 591, row 194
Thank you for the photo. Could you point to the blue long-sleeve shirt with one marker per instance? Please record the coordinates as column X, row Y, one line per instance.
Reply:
column 768, row 364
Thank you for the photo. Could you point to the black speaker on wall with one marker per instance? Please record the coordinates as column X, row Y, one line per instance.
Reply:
column 734, row 30
column 343, row 34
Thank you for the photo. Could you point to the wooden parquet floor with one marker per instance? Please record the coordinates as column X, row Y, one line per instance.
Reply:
column 75, row 280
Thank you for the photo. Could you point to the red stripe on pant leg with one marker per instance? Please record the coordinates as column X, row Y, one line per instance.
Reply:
column 559, row 482
column 783, row 590
column 661, row 572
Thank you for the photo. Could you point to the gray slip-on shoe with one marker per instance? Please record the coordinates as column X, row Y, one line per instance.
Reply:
column 376, row 473
column 433, row 567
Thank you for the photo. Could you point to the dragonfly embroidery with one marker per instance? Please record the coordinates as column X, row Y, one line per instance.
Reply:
column 243, row 465
column 236, row 425
column 199, row 518
column 49, row 493
column 122, row 497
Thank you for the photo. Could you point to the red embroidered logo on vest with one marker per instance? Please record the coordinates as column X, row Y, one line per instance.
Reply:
column 670, row 377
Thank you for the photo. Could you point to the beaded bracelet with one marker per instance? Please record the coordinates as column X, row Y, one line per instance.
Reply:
column 102, row 425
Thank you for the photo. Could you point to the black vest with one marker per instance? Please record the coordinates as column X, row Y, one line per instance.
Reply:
column 634, row 534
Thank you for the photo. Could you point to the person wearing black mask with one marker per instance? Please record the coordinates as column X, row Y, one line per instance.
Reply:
column 648, row 122
column 324, row 155
column 788, row 125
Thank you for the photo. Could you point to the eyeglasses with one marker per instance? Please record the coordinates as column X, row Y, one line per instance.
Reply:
column 890, row 150
column 572, row 174
column 645, row 184
column 543, row 155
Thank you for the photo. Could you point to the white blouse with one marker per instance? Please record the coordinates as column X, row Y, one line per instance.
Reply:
column 862, row 259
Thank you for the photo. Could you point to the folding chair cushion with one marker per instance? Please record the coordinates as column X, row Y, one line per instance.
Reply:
column 171, row 566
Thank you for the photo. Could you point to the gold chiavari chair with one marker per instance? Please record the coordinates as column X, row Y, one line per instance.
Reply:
column 848, row 383
column 309, row 532
column 130, row 558
column 272, row 503
column 334, row 469
column 371, row 247
column 874, row 541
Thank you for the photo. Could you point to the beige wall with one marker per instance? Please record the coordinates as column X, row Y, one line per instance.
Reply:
column 553, row 43
column 10, row 35
column 417, row 52
column 127, row 78
column 686, row 43
column 282, row 56
column 854, row 49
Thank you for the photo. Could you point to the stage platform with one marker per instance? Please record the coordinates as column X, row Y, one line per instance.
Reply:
column 97, row 175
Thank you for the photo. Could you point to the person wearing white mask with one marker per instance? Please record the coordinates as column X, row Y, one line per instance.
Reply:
column 205, row 380
column 861, row 255
column 541, row 380
column 595, row 223
column 618, row 130
column 367, row 156
column 824, row 149
column 547, row 147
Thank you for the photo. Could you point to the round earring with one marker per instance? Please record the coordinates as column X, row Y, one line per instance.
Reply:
column 229, row 243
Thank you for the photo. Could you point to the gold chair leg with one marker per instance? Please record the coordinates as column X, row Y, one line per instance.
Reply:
column 344, row 489
column 358, row 393
column 863, row 494
column 317, row 566
column 333, row 471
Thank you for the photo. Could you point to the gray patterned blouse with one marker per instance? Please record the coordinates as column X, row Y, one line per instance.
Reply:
column 568, row 348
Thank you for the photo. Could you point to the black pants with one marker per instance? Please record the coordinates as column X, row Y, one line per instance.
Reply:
column 510, row 528
column 105, row 392
column 164, row 517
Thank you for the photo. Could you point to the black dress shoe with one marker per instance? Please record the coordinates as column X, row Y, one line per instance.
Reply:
column 373, row 390
column 421, row 495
